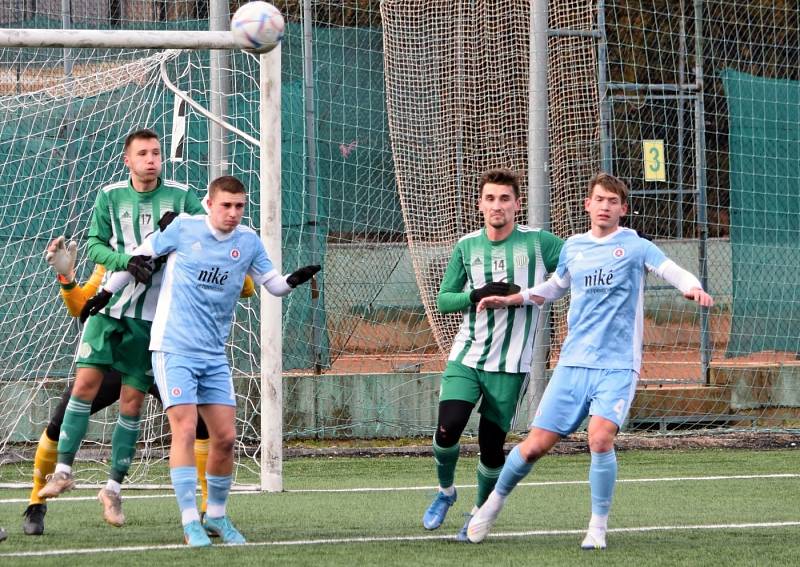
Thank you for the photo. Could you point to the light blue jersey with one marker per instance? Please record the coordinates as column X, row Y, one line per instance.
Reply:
column 202, row 281
column 606, row 313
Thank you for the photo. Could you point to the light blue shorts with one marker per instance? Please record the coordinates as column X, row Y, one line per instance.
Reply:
column 575, row 392
column 190, row 380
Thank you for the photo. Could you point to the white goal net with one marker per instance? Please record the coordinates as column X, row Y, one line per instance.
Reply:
column 60, row 141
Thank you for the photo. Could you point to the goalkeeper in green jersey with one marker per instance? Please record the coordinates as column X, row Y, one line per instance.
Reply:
column 124, row 213
column 491, row 354
column 61, row 256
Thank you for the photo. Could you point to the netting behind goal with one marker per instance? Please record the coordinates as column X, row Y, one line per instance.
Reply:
column 692, row 104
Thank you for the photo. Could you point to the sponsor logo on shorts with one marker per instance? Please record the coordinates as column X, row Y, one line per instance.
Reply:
column 85, row 350
column 176, row 392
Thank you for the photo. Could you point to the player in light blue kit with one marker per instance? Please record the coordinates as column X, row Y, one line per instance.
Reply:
column 604, row 270
column 208, row 258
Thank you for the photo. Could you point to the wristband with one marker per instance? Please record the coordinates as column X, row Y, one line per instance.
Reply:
column 66, row 283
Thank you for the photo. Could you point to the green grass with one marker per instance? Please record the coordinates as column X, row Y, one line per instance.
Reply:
column 294, row 516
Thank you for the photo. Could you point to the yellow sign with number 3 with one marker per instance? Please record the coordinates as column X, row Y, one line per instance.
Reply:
column 654, row 160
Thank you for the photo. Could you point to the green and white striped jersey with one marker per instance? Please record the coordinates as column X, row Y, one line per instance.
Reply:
column 496, row 340
column 121, row 219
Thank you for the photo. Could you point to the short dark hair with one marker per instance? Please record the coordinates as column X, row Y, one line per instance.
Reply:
column 499, row 176
column 141, row 134
column 609, row 183
column 227, row 183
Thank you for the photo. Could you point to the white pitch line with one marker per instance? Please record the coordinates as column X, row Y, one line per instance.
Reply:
column 338, row 541
column 127, row 496
column 563, row 482
column 368, row 489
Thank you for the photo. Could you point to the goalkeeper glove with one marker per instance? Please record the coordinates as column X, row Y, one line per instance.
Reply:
column 493, row 288
column 302, row 275
column 141, row 268
column 62, row 257
column 166, row 219
column 95, row 304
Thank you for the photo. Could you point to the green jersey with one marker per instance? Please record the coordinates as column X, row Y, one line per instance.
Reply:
column 121, row 219
column 496, row 340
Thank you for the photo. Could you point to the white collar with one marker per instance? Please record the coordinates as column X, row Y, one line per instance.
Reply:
column 218, row 234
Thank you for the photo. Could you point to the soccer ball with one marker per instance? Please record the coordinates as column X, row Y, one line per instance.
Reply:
column 257, row 26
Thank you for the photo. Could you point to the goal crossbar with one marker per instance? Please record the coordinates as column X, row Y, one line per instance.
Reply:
column 132, row 39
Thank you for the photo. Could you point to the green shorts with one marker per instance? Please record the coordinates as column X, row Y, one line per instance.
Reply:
column 500, row 391
column 121, row 344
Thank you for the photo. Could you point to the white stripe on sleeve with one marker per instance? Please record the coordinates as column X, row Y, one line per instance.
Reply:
column 551, row 289
column 274, row 282
column 672, row 273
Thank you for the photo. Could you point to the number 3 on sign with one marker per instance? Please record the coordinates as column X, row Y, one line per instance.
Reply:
column 654, row 160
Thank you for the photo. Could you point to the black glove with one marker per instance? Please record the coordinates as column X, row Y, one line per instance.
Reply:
column 302, row 275
column 95, row 304
column 165, row 219
column 141, row 268
column 493, row 288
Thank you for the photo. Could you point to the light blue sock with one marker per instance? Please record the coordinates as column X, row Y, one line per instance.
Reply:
column 513, row 471
column 218, row 489
column 602, row 477
column 184, row 481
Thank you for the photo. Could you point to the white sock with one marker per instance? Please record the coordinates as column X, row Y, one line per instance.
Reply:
column 61, row 467
column 113, row 486
column 495, row 501
column 215, row 510
column 449, row 491
column 189, row 515
column 598, row 523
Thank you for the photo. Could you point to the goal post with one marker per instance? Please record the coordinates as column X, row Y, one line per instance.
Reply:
column 125, row 89
column 271, row 478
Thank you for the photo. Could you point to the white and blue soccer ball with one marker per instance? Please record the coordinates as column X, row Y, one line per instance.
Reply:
column 257, row 26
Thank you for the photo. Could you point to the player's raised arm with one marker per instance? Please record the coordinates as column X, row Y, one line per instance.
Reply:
column 684, row 281
column 280, row 285
column 61, row 256
column 75, row 296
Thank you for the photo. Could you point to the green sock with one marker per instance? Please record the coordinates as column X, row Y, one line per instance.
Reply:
column 73, row 429
column 487, row 478
column 446, row 459
column 123, row 445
